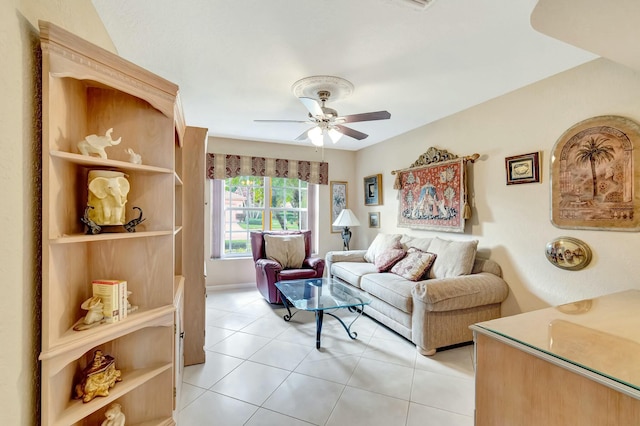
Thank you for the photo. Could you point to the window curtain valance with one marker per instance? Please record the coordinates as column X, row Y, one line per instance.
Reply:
column 223, row 166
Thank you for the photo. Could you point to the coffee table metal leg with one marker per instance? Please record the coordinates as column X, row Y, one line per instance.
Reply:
column 319, row 315
column 352, row 334
column 285, row 302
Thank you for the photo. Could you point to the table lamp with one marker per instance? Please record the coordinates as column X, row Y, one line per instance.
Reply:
column 346, row 218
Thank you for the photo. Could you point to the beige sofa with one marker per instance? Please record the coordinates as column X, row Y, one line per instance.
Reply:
column 435, row 310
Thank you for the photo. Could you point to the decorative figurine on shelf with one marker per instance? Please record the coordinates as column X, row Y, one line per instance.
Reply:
column 131, row 225
column 133, row 157
column 130, row 307
column 100, row 376
column 92, row 227
column 114, row 415
column 94, row 144
column 108, row 196
column 94, row 315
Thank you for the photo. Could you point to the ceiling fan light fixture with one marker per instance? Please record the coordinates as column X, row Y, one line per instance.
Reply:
column 334, row 135
column 316, row 136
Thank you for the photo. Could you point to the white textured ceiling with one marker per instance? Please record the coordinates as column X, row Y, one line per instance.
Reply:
column 235, row 60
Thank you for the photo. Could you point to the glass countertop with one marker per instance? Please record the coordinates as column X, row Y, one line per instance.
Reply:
column 601, row 335
column 318, row 294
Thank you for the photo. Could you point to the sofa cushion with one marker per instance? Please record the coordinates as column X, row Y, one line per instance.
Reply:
column 414, row 265
column 455, row 258
column 462, row 292
column 287, row 250
column 384, row 261
column 352, row 272
column 380, row 244
column 390, row 288
column 409, row 241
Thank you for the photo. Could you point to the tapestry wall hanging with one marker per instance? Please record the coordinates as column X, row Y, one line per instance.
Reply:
column 433, row 192
column 593, row 175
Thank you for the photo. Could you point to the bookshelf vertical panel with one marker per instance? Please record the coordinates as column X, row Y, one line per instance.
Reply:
column 66, row 187
column 66, row 119
column 147, row 267
column 64, row 290
column 153, row 193
column 142, row 127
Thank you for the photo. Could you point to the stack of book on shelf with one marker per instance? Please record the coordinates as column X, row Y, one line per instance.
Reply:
column 113, row 294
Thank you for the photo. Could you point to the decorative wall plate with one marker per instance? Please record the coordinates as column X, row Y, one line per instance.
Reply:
column 568, row 253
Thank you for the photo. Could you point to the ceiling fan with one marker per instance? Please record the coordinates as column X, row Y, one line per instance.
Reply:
column 328, row 124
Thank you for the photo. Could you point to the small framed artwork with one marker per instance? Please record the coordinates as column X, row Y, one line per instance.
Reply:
column 373, row 190
column 523, row 168
column 338, row 202
column 374, row 219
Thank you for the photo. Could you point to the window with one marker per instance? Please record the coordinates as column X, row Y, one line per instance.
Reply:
column 250, row 203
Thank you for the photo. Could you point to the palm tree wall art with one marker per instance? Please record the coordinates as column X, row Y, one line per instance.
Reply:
column 593, row 183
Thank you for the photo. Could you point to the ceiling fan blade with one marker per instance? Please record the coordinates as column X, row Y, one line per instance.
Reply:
column 281, row 121
column 366, row 116
column 350, row 132
column 312, row 105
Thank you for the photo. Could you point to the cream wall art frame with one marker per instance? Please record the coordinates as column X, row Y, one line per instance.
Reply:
column 594, row 175
column 338, row 202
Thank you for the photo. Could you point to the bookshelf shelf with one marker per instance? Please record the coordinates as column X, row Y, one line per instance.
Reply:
column 83, row 160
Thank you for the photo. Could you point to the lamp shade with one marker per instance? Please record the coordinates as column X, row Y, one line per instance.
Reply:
column 346, row 218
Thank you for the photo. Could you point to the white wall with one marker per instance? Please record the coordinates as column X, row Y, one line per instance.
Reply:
column 341, row 168
column 20, row 176
column 512, row 222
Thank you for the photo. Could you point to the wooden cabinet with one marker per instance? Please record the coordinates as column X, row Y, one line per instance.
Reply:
column 575, row 364
column 87, row 90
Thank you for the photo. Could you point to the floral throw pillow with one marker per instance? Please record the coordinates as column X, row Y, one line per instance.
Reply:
column 384, row 261
column 414, row 265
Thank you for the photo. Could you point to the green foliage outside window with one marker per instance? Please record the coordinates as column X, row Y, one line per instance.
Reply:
column 246, row 209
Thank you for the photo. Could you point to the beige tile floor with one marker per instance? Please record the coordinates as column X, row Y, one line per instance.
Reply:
column 261, row 370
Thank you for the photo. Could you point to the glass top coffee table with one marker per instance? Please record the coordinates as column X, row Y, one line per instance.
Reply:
column 322, row 295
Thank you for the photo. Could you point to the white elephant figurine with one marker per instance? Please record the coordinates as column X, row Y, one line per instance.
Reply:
column 108, row 196
column 94, row 144
column 134, row 157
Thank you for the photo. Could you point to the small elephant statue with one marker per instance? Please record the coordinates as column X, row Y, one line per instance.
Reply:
column 114, row 416
column 134, row 158
column 94, row 144
column 108, row 196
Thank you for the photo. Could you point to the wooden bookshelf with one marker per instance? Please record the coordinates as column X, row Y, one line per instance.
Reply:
column 87, row 90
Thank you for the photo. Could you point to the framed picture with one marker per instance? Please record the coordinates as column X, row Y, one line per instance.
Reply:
column 432, row 197
column 594, row 177
column 568, row 253
column 374, row 219
column 338, row 202
column 373, row 190
column 523, row 168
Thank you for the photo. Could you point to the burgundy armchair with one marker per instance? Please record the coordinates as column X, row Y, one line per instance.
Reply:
column 269, row 271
